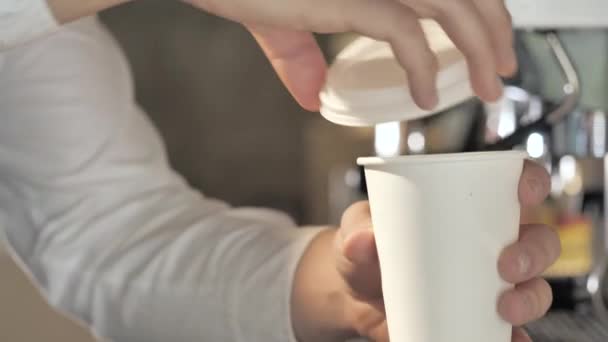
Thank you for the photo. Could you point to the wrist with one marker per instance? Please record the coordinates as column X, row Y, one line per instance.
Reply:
column 320, row 298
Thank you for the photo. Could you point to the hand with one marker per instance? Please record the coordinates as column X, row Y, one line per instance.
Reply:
column 481, row 29
column 520, row 264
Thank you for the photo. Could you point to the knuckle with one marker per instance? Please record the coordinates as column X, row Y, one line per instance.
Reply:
column 423, row 8
column 422, row 62
column 438, row 13
column 399, row 25
column 444, row 10
column 433, row 9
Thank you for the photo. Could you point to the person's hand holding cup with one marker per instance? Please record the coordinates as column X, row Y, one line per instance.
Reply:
column 521, row 264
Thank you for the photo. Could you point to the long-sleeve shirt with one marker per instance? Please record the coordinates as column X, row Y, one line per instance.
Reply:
column 110, row 233
column 24, row 20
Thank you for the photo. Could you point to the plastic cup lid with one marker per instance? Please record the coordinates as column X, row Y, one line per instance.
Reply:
column 366, row 85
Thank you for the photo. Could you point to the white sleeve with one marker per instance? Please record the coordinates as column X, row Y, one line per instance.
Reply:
column 110, row 233
column 24, row 20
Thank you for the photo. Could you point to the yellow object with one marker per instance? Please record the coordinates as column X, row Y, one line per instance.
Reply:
column 576, row 259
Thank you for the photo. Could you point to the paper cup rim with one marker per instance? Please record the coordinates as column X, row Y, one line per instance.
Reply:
column 443, row 158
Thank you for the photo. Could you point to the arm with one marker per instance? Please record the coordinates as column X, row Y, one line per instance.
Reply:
column 109, row 232
column 115, row 237
column 479, row 28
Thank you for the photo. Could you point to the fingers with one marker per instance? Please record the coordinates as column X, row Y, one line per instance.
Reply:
column 390, row 21
column 464, row 24
column 537, row 249
column 500, row 27
column 357, row 256
column 522, row 262
column 480, row 29
column 297, row 60
column 520, row 335
column 534, row 184
column 526, row 303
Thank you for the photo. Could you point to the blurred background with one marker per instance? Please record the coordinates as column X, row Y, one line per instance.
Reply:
column 229, row 125
column 235, row 133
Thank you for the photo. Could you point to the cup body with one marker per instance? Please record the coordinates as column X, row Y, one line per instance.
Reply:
column 441, row 222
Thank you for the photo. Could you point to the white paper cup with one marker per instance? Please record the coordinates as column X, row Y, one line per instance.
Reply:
column 441, row 222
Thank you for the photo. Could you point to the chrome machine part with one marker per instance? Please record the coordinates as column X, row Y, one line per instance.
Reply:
column 572, row 89
column 582, row 134
column 553, row 116
column 597, row 285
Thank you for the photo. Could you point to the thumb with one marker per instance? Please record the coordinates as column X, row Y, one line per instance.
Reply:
column 297, row 60
column 358, row 264
column 357, row 256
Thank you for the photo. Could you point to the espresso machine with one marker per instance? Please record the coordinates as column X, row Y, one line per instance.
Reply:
column 550, row 110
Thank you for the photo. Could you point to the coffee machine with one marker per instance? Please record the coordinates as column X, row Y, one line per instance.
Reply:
column 549, row 110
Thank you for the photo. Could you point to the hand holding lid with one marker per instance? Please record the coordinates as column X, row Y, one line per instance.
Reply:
column 481, row 29
column 366, row 85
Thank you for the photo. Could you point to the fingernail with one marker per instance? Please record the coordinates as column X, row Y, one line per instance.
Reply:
column 524, row 263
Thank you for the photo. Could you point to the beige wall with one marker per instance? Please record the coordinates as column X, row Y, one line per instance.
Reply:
column 24, row 316
column 230, row 127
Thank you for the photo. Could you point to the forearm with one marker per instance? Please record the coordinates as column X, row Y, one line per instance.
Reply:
column 69, row 10
column 319, row 303
column 221, row 276
column 111, row 233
